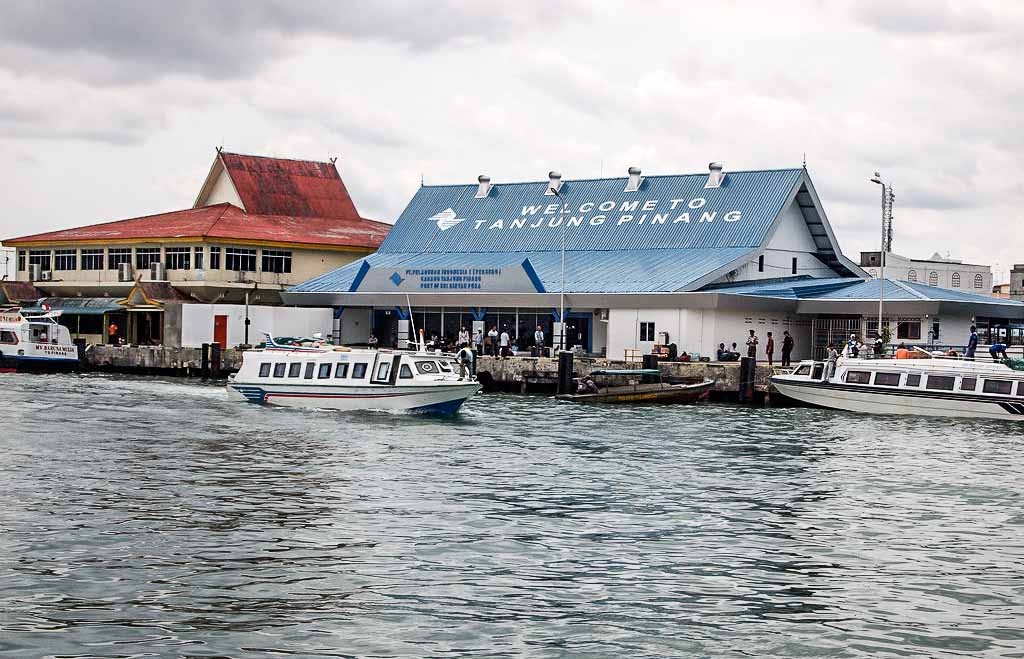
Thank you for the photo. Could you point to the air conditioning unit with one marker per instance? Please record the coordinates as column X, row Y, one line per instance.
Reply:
column 124, row 272
column 157, row 271
column 46, row 275
column 602, row 315
column 35, row 271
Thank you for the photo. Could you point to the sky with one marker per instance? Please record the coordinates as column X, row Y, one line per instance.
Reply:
column 113, row 109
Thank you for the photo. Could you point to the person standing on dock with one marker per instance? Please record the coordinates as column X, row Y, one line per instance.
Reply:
column 505, row 341
column 112, row 330
column 463, row 336
column 787, row 349
column 492, row 340
column 972, row 343
column 752, row 345
column 538, row 341
column 769, row 349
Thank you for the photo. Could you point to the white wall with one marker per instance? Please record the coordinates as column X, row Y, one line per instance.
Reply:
column 900, row 267
column 197, row 322
column 223, row 191
column 355, row 326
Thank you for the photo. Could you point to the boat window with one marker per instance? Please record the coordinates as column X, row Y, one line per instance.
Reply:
column 405, row 372
column 426, row 367
column 310, row 368
column 803, row 370
column 444, row 366
column 940, row 382
column 382, row 370
column 8, row 337
column 279, row 370
column 264, row 370
column 1020, row 387
column 341, row 370
column 968, row 384
column 358, row 371
column 325, row 371
column 819, row 370
column 294, row 370
column 887, row 379
column 858, row 377
column 914, row 380
column 1004, row 387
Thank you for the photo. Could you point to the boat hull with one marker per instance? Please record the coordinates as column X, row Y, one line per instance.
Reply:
column 443, row 399
column 654, row 393
column 10, row 364
column 871, row 400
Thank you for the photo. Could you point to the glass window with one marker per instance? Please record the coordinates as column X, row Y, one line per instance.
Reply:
column 794, row 265
column 118, row 255
column 359, row 371
column 6, row 336
column 65, row 259
column 819, row 370
column 955, row 279
column 21, row 259
column 179, row 258
column 383, row 370
column 40, row 257
column 324, row 372
column 405, row 372
column 858, row 377
column 760, row 264
column 294, row 370
column 310, row 370
column 275, row 260
column 199, row 258
column 146, row 256
column 426, row 367
column 1020, row 388
column 803, row 370
column 215, row 258
column 238, row 259
column 912, row 275
column 279, row 370
column 264, row 370
column 92, row 259
column 914, row 380
column 978, row 281
column 968, row 384
column 341, row 370
column 933, row 278
column 908, row 330
column 887, row 379
column 1004, row 387
column 647, row 331
column 940, row 382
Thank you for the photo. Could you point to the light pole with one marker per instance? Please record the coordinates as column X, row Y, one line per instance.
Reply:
column 561, row 292
column 886, row 244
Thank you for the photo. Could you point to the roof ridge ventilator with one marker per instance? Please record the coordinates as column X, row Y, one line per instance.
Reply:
column 635, row 180
column 484, row 187
column 716, row 175
column 554, row 183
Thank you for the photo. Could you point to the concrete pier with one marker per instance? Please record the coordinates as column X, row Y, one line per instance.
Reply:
column 165, row 360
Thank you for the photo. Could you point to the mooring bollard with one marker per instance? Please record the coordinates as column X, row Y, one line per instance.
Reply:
column 565, row 372
column 748, row 372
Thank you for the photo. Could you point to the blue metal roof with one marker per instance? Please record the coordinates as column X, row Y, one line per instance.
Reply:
column 852, row 288
column 666, row 212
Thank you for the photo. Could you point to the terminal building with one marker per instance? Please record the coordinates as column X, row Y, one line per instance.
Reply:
column 632, row 263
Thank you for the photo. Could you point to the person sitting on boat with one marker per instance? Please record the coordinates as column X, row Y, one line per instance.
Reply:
column 879, row 347
column 902, row 352
column 853, row 346
column 589, row 386
column 998, row 351
column 951, row 353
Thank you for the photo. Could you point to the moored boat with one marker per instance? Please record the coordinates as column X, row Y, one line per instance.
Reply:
column 35, row 342
column 636, row 391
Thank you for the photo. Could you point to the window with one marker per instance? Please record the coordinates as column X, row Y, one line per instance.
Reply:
column 887, row 379
column 426, row 367
column 914, row 380
column 912, row 275
column 978, row 281
column 383, row 370
column 341, row 371
column 933, row 278
column 215, row 258
column 819, row 371
column 1004, row 387
column 803, row 370
column 405, row 372
column 1020, row 387
column 956, row 280
column 65, row 259
column 238, row 259
column 908, row 330
column 146, row 256
column 310, row 369
column 940, row 382
column 21, row 260
column 118, row 255
column 647, row 331
column 294, row 370
column 794, row 265
column 325, row 371
column 92, row 259
column 968, row 384
column 6, row 336
column 858, row 377
column 279, row 370
column 199, row 258
column 179, row 258
column 359, row 371
column 264, row 370
column 760, row 263
column 275, row 260
column 40, row 257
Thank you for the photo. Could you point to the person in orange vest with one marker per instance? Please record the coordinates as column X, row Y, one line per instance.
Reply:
column 902, row 352
column 112, row 333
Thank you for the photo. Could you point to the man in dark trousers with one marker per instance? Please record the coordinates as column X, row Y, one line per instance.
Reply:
column 769, row 348
column 752, row 345
column 787, row 348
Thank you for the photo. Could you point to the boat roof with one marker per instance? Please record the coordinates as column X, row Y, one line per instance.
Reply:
column 627, row 371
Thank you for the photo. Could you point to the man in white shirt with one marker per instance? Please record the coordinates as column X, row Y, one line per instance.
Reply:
column 463, row 336
column 504, row 342
column 538, row 340
column 492, row 339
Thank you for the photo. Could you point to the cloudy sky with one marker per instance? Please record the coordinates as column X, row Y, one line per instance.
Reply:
column 113, row 109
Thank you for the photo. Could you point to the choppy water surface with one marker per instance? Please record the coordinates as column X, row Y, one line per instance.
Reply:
column 143, row 517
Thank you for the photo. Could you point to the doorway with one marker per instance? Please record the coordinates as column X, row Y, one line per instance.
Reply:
column 578, row 331
column 220, row 331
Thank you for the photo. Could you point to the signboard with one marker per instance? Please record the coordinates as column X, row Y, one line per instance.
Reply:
column 510, row 278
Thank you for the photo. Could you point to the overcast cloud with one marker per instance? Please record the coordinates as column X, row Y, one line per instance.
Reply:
column 113, row 109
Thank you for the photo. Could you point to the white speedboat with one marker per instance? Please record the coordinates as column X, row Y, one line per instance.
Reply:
column 340, row 378
column 35, row 342
column 930, row 386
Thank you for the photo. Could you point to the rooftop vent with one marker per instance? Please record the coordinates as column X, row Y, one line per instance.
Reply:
column 634, row 180
column 554, row 183
column 484, row 188
column 716, row 175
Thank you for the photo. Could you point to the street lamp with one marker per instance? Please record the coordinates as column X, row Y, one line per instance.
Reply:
column 886, row 244
column 561, row 292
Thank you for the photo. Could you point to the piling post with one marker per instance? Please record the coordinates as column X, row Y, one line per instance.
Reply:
column 215, row 355
column 748, row 374
column 649, row 361
column 565, row 372
column 205, row 361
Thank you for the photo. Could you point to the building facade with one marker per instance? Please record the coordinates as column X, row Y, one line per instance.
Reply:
column 631, row 264
column 936, row 271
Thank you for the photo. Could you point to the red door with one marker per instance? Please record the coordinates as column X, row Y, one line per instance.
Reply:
column 220, row 331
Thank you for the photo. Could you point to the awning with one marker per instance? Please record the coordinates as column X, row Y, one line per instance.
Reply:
column 77, row 306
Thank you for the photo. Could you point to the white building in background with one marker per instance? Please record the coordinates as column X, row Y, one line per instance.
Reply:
column 936, row 271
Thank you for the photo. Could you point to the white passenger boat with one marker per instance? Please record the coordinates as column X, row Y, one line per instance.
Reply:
column 340, row 378
column 930, row 386
column 34, row 342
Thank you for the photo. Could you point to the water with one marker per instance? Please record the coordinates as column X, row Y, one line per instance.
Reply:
column 145, row 517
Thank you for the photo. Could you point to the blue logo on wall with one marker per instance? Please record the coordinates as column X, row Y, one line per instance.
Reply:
column 396, row 279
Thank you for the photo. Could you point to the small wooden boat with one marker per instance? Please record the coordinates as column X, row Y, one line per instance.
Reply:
column 640, row 392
